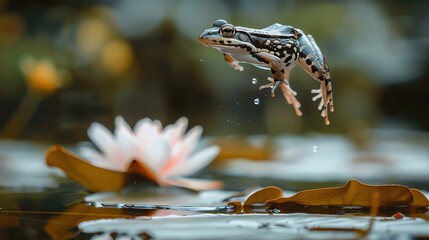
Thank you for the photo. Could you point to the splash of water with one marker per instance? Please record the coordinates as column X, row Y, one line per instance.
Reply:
column 315, row 149
column 256, row 101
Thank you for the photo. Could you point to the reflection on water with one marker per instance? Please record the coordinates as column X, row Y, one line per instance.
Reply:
column 49, row 215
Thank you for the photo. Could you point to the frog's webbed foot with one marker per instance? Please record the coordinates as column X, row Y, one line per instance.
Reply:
column 325, row 101
column 287, row 92
column 232, row 62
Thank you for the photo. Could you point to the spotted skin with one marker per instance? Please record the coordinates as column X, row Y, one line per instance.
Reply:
column 278, row 48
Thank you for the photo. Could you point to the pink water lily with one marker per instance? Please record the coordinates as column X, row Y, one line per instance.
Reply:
column 170, row 153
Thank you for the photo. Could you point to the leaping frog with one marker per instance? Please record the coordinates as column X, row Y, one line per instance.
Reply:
column 277, row 48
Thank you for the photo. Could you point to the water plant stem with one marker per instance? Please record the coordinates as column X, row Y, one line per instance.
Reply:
column 22, row 115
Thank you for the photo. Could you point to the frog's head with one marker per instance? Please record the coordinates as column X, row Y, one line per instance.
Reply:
column 223, row 34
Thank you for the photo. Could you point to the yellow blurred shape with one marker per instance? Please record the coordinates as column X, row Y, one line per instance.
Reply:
column 91, row 34
column 117, row 56
column 42, row 76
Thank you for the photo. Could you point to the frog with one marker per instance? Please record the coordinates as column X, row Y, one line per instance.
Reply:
column 278, row 48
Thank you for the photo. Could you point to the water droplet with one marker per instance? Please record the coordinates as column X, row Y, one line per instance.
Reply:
column 256, row 101
column 254, row 80
column 237, row 104
column 201, row 60
column 315, row 149
column 275, row 210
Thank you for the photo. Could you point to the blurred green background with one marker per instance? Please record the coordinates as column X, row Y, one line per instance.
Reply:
column 141, row 58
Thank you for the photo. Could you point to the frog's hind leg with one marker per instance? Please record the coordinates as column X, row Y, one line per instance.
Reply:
column 289, row 95
column 287, row 92
column 324, row 93
column 280, row 80
column 313, row 62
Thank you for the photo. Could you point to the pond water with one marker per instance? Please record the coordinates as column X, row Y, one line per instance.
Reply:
column 66, row 214
column 41, row 203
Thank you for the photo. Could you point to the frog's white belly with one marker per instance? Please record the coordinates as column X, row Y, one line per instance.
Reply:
column 243, row 56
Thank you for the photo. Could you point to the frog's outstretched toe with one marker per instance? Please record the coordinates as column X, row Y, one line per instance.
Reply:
column 269, row 85
column 239, row 68
column 318, row 95
column 327, row 121
column 289, row 95
column 331, row 105
column 325, row 101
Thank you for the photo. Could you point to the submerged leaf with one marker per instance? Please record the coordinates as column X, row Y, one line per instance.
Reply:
column 353, row 193
column 63, row 226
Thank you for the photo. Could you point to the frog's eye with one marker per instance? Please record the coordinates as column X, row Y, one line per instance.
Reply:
column 227, row 30
column 219, row 23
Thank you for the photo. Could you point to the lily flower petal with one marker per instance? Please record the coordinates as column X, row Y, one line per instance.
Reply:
column 182, row 149
column 172, row 133
column 195, row 163
column 105, row 141
column 145, row 130
column 121, row 124
column 188, row 143
column 128, row 147
column 93, row 156
column 155, row 154
column 194, row 183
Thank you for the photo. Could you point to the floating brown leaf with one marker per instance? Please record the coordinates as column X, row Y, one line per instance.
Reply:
column 419, row 199
column 353, row 193
column 92, row 177
column 263, row 195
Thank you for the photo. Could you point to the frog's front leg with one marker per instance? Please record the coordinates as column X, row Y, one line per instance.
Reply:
column 280, row 79
column 313, row 62
column 232, row 62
